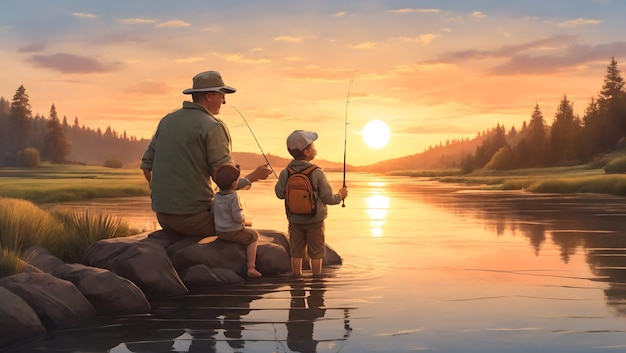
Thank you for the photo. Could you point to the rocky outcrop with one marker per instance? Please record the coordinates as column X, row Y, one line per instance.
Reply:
column 107, row 292
column 18, row 320
column 140, row 260
column 57, row 302
column 119, row 275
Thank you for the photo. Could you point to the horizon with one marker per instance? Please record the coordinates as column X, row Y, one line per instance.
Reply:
column 443, row 70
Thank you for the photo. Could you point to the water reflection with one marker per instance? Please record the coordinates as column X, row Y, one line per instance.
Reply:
column 377, row 207
column 303, row 311
column 588, row 224
column 427, row 266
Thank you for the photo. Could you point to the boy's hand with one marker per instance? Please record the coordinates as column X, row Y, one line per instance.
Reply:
column 247, row 223
column 343, row 192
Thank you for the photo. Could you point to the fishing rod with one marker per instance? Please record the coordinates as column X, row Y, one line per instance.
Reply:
column 345, row 135
column 257, row 142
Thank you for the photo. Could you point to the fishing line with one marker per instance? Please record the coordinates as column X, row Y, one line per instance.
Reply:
column 345, row 135
column 257, row 142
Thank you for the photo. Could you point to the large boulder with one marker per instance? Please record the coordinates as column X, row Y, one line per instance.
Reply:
column 143, row 262
column 201, row 277
column 106, row 291
column 57, row 302
column 18, row 320
column 212, row 252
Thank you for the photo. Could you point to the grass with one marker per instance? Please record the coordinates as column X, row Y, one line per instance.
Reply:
column 571, row 179
column 66, row 234
column 63, row 183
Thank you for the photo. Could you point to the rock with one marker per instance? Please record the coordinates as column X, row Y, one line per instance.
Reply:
column 140, row 260
column 214, row 253
column 106, row 291
column 57, row 302
column 18, row 320
column 331, row 258
column 272, row 256
column 201, row 276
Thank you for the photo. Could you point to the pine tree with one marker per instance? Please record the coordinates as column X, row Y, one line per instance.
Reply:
column 536, row 136
column 57, row 146
column 564, row 134
column 19, row 124
column 612, row 106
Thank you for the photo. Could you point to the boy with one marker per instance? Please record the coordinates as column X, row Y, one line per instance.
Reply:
column 306, row 232
column 230, row 222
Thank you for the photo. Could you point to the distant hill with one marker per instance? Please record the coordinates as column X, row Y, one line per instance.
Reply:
column 445, row 156
column 249, row 161
column 438, row 157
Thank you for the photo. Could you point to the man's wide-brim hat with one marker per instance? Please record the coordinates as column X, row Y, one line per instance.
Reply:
column 209, row 81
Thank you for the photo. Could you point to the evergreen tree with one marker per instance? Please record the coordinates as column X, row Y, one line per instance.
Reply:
column 536, row 136
column 612, row 104
column 4, row 127
column 564, row 134
column 19, row 124
column 57, row 146
column 592, row 132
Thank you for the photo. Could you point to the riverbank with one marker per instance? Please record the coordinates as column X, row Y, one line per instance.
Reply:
column 567, row 180
column 51, row 183
column 65, row 183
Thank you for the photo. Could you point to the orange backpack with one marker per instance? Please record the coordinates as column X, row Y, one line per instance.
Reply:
column 299, row 195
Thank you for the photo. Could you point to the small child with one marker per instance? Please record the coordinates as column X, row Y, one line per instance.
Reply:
column 306, row 232
column 230, row 222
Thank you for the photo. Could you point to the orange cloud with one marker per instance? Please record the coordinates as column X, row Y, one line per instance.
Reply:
column 173, row 24
column 132, row 21
column 414, row 10
column 578, row 22
column 289, row 39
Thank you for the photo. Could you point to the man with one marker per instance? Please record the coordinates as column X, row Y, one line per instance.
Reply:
column 187, row 147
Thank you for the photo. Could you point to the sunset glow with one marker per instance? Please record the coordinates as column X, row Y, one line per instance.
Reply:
column 376, row 134
column 435, row 71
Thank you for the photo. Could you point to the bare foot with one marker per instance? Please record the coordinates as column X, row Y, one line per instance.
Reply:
column 252, row 272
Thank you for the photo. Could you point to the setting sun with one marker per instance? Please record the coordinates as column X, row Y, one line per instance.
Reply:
column 376, row 134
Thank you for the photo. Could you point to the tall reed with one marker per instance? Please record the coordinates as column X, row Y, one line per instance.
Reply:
column 66, row 234
column 23, row 224
column 84, row 228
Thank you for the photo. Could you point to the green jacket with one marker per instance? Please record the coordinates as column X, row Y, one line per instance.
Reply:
column 189, row 144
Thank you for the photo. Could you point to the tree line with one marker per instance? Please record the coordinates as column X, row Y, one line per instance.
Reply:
column 25, row 138
column 569, row 140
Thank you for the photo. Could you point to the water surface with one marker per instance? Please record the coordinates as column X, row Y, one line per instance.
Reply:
column 427, row 267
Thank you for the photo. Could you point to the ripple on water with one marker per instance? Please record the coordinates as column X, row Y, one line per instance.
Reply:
column 271, row 313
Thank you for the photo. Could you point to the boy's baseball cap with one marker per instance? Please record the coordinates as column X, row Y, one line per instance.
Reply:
column 209, row 81
column 299, row 139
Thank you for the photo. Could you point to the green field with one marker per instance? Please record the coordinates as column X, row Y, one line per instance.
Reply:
column 63, row 183
column 573, row 179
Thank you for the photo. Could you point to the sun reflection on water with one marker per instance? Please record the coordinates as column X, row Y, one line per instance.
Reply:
column 377, row 207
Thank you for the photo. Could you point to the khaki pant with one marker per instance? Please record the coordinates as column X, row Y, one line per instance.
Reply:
column 244, row 236
column 199, row 224
column 307, row 239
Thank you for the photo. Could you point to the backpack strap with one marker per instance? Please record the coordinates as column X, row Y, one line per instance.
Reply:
column 306, row 171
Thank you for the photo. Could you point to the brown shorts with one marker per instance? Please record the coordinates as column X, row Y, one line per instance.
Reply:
column 199, row 224
column 307, row 239
column 244, row 236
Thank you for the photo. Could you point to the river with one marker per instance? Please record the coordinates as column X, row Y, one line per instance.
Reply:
column 427, row 267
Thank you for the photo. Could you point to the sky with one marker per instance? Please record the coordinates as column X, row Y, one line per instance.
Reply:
column 432, row 70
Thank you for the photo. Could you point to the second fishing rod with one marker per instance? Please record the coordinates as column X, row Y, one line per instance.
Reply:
column 257, row 142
